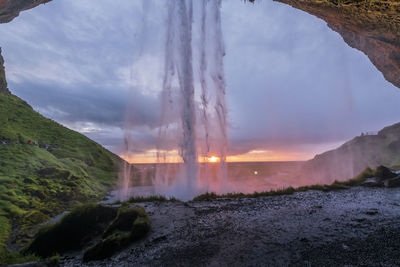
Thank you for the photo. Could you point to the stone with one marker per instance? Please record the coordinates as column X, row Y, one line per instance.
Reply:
column 10, row 9
column 372, row 182
column 3, row 81
column 369, row 26
column 384, row 173
column 394, row 182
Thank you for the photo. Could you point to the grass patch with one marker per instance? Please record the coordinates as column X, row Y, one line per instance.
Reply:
column 337, row 185
column 63, row 170
column 7, row 257
column 151, row 199
column 209, row 196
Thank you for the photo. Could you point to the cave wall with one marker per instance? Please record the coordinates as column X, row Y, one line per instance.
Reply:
column 3, row 82
column 10, row 9
column 372, row 27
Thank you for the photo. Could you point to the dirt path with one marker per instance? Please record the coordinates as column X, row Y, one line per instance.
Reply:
column 355, row 226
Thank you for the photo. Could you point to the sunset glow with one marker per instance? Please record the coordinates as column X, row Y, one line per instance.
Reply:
column 172, row 156
column 213, row 159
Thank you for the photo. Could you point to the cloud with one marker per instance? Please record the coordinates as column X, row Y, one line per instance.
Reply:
column 293, row 84
column 105, row 106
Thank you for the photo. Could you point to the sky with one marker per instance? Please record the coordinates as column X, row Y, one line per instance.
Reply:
column 294, row 88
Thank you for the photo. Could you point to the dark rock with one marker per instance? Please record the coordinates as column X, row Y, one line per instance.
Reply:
column 394, row 182
column 383, row 173
column 371, row 212
column 3, row 82
column 107, row 247
column 124, row 220
column 159, row 239
column 365, row 25
column 372, row 182
column 131, row 224
column 11, row 9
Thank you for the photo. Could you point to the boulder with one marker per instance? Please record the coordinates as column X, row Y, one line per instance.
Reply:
column 384, row 173
column 394, row 182
column 372, row 182
column 3, row 82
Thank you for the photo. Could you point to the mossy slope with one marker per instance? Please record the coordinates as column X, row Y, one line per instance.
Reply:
column 62, row 170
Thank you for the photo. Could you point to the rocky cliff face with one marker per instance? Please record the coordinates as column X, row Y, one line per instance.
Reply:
column 3, row 82
column 370, row 26
column 354, row 156
column 9, row 9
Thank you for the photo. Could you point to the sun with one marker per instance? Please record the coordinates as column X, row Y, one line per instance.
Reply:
column 213, row 159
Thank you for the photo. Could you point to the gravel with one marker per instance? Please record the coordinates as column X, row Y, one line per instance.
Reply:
column 358, row 226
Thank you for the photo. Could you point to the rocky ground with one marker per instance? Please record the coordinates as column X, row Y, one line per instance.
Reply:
column 359, row 226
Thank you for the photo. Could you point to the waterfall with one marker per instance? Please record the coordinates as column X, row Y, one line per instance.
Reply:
column 179, row 76
column 193, row 121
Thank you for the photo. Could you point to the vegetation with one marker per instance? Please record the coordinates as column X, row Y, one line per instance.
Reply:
column 118, row 226
column 367, row 173
column 75, row 229
column 151, row 199
column 58, row 170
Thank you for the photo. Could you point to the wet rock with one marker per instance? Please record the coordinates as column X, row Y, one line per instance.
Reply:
column 372, row 182
column 359, row 220
column 131, row 224
column 383, row 177
column 394, row 182
column 36, row 264
column 371, row 212
column 383, row 173
column 159, row 239
column 3, row 82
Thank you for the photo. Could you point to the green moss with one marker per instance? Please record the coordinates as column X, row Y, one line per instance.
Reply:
column 118, row 226
column 107, row 247
column 68, row 169
column 75, row 229
column 130, row 225
column 5, row 229
column 140, row 227
column 151, row 199
column 7, row 257
column 125, row 217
